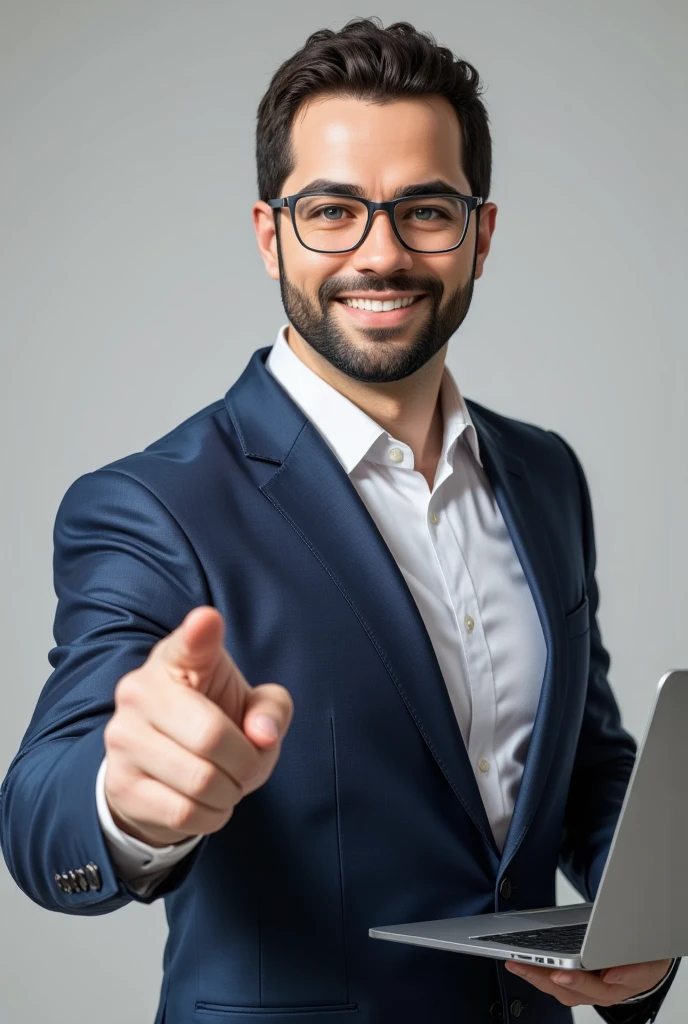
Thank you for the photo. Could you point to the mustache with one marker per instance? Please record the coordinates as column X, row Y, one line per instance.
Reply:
column 330, row 289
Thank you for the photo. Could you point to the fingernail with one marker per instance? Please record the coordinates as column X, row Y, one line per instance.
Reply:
column 562, row 979
column 267, row 726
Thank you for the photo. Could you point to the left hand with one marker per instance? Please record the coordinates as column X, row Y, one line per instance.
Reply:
column 593, row 988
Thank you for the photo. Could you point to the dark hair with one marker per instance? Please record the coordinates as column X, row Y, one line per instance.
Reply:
column 368, row 62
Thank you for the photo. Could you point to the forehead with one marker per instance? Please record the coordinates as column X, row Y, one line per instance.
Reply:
column 376, row 145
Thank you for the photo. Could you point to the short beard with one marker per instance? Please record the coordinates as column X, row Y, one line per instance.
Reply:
column 382, row 361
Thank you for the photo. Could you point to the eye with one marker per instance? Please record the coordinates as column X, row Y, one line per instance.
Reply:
column 428, row 209
column 337, row 209
column 331, row 213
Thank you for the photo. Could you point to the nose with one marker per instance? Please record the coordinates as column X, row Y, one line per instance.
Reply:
column 381, row 253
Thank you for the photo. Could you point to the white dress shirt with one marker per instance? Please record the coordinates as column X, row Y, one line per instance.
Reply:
column 456, row 555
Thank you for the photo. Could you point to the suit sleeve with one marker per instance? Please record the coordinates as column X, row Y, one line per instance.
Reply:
column 125, row 575
column 601, row 772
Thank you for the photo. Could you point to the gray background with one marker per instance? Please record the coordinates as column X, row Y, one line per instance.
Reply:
column 132, row 294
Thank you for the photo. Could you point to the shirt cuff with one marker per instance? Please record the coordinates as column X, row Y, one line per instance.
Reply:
column 651, row 991
column 135, row 860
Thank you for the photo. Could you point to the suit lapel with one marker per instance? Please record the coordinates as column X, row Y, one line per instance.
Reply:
column 312, row 490
column 509, row 479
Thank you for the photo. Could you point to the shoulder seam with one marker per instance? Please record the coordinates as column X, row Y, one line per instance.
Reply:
column 129, row 476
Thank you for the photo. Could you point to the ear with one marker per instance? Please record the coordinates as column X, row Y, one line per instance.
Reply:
column 488, row 218
column 264, row 225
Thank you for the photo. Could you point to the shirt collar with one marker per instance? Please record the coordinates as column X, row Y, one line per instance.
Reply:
column 351, row 433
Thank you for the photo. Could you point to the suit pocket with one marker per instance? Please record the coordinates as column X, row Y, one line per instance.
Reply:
column 578, row 621
column 324, row 1014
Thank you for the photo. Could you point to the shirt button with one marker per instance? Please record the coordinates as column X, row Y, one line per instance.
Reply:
column 434, row 518
column 483, row 764
column 469, row 623
column 396, row 455
column 516, row 1007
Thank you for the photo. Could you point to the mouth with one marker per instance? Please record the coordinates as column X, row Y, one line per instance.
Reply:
column 381, row 317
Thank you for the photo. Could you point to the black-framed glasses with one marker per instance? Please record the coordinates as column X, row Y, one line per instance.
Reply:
column 428, row 224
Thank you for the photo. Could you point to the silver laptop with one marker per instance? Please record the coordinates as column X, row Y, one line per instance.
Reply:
column 640, row 912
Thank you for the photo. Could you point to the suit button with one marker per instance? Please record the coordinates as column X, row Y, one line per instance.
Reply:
column 66, row 883
column 516, row 1007
column 81, row 879
column 505, row 889
column 93, row 873
column 60, row 883
column 496, row 1011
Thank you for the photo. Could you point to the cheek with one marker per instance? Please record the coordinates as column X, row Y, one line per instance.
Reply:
column 455, row 275
column 310, row 268
column 319, row 278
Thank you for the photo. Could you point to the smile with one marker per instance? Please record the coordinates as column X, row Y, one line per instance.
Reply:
column 378, row 306
column 374, row 313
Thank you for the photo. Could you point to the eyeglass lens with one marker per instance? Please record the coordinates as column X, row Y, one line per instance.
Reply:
column 332, row 225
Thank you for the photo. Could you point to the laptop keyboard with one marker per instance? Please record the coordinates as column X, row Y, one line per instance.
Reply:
column 567, row 939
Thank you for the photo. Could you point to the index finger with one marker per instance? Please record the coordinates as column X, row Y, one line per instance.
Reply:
column 195, row 722
column 194, row 646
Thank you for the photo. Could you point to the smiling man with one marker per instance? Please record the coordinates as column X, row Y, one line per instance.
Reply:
column 413, row 573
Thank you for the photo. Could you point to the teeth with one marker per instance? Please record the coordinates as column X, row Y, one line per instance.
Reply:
column 376, row 306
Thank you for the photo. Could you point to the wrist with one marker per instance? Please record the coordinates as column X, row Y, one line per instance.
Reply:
column 157, row 840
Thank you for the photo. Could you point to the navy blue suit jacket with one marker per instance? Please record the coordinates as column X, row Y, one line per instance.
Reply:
column 372, row 814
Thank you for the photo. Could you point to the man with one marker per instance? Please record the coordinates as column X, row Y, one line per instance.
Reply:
column 327, row 653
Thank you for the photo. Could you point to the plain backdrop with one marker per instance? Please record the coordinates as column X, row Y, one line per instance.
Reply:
column 132, row 294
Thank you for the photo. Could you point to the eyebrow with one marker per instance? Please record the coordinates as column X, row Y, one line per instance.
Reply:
column 421, row 188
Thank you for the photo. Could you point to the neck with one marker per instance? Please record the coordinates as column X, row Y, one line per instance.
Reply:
column 409, row 409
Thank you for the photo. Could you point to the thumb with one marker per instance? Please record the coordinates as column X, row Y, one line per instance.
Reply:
column 195, row 645
column 267, row 714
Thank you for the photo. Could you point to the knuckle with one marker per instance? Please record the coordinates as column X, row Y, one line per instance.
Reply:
column 116, row 785
column 201, row 778
column 114, row 734
column 128, row 689
column 209, row 732
column 180, row 814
